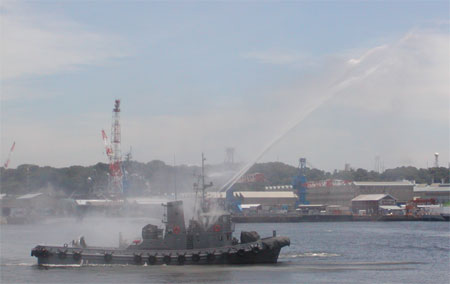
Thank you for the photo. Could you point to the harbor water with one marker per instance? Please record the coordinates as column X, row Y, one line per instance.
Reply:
column 325, row 252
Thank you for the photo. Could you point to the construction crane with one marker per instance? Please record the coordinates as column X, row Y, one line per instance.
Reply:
column 107, row 145
column 299, row 183
column 9, row 155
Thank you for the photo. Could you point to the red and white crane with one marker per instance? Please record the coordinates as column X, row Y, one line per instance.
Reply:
column 113, row 151
column 9, row 155
column 107, row 145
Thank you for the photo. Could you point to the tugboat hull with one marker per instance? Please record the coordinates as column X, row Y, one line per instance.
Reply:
column 258, row 252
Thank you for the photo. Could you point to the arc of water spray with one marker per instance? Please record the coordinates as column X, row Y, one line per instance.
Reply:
column 332, row 91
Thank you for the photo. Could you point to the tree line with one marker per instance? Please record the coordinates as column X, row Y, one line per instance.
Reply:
column 156, row 177
column 279, row 173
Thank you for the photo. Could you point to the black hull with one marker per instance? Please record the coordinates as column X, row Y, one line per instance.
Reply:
column 259, row 252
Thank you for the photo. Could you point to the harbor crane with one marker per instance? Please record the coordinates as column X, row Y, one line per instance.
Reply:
column 299, row 183
column 107, row 145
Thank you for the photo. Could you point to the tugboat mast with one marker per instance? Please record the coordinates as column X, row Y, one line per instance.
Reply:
column 200, row 185
column 203, row 182
column 204, row 186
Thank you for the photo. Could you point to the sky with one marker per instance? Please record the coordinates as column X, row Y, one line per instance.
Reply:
column 334, row 81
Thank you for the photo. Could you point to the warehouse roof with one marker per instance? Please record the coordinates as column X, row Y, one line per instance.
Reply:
column 432, row 188
column 266, row 194
column 97, row 202
column 248, row 206
column 29, row 195
column 147, row 200
column 382, row 183
column 213, row 194
column 371, row 197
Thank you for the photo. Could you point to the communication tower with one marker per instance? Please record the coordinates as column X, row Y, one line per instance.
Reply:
column 347, row 167
column 379, row 164
column 229, row 156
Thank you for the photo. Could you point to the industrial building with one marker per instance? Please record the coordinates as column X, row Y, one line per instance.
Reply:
column 13, row 204
column 331, row 195
column 335, row 194
column 402, row 190
column 331, row 192
column 335, row 197
column 264, row 199
column 268, row 198
column 373, row 204
column 439, row 192
column 28, row 208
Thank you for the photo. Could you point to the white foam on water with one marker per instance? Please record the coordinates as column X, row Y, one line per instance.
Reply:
column 18, row 264
column 309, row 254
column 61, row 265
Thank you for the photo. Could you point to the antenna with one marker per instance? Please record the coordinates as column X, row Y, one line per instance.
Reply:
column 175, row 176
column 203, row 180
column 229, row 156
column 113, row 151
column 378, row 164
column 204, row 186
column 196, row 194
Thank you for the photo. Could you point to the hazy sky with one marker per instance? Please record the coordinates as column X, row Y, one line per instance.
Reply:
column 350, row 80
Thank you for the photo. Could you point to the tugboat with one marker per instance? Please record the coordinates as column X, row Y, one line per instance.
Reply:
column 208, row 239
